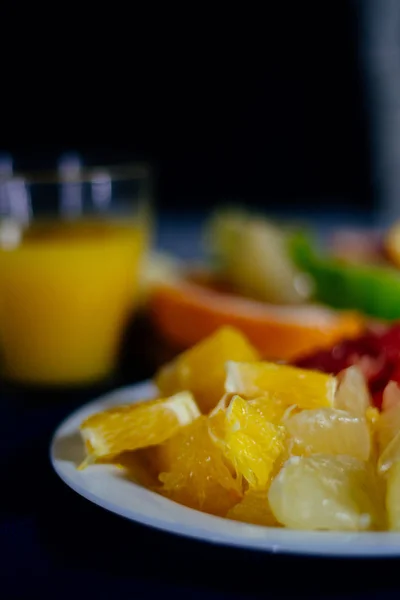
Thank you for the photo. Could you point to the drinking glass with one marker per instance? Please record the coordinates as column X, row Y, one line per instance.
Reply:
column 71, row 248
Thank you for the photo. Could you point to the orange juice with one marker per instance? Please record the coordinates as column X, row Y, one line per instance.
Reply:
column 66, row 292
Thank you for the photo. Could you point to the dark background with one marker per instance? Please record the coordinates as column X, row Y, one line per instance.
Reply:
column 274, row 115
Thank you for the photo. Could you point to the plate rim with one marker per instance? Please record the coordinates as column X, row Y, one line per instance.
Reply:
column 355, row 548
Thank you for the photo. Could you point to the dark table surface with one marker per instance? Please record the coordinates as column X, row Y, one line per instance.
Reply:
column 54, row 543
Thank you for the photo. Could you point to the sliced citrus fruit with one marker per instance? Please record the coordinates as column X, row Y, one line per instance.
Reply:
column 135, row 426
column 268, row 407
column 202, row 368
column 352, row 394
column 330, row 431
column 252, row 253
column 393, row 497
column 185, row 312
column 254, row 509
column 271, row 409
column 250, row 442
column 198, row 475
column 217, row 420
column 324, row 492
column 290, row 385
column 138, row 467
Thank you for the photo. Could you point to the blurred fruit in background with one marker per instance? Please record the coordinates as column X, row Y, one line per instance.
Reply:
column 248, row 280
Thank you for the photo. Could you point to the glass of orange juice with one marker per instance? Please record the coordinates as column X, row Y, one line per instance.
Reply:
column 71, row 246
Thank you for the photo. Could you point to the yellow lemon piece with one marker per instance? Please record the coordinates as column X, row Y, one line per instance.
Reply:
column 290, row 385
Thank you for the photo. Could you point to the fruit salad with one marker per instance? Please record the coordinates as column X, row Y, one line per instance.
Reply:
column 288, row 294
column 276, row 445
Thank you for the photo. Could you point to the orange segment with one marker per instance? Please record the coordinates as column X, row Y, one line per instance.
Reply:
column 185, row 312
column 272, row 409
column 202, row 368
column 253, row 445
column 135, row 426
column 291, row 385
column 249, row 442
column 138, row 467
column 254, row 509
column 197, row 474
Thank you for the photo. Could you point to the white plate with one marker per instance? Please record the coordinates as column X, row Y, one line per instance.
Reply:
column 105, row 485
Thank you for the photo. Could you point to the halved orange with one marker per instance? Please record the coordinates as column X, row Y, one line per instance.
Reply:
column 185, row 312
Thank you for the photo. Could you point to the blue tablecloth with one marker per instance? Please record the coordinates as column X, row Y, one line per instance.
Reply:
column 55, row 543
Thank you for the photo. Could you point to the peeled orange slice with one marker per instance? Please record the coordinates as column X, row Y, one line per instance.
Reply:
column 324, row 492
column 185, row 312
column 135, row 426
column 290, row 385
column 254, row 509
column 250, row 442
column 197, row 474
column 272, row 409
column 330, row 431
column 202, row 368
